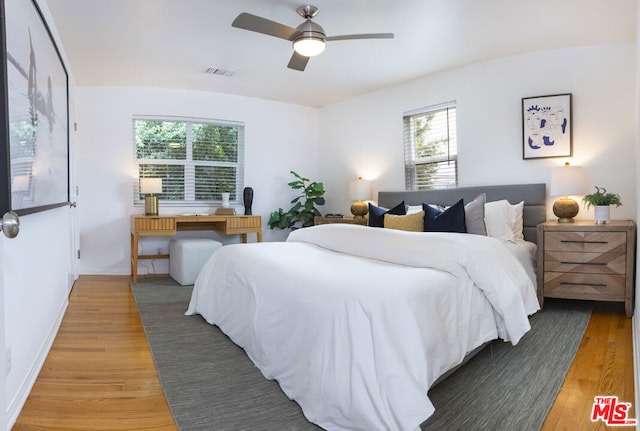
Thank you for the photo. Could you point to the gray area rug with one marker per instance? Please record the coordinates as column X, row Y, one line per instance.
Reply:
column 211, row 384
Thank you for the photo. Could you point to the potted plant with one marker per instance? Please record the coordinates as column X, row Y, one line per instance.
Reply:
column 601, row 202
column 303, row 211
column 225, row 188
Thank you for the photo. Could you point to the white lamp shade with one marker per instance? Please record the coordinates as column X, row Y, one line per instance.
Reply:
column 309, row 47
column 567, row 180
column 151, row 185
column 360, row 190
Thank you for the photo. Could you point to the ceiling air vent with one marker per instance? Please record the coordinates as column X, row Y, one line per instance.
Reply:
column 219, row 71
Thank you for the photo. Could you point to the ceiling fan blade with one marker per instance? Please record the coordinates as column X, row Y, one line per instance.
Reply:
column 298, row 62
column 247, row 21
column 361, row 36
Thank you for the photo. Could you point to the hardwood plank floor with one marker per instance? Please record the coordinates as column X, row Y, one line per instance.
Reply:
column 603, row 366
column 100, row 373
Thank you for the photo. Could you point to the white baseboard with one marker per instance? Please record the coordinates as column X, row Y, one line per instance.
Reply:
column 15, row 405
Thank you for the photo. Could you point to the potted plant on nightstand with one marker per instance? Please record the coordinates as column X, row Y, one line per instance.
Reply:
column 601, row 202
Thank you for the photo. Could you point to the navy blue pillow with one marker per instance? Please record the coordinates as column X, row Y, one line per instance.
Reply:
column 450, row 220
column 376, row 214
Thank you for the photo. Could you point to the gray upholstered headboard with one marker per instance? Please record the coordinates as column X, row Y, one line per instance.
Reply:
column 533, row 195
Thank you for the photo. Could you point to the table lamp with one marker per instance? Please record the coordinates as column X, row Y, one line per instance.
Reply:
column 359, row 190
column 566, row 180
column 150, row 187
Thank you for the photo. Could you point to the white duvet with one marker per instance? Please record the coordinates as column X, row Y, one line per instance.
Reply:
column 357, row 323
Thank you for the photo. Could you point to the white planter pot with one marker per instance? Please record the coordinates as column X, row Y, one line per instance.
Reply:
column 601, row 213
column 225, row 200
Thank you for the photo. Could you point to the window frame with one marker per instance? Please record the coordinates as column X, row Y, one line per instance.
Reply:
column 411, row 159
column 189, row 164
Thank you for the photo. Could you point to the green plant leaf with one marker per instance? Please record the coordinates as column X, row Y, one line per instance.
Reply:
column 296, row 184
column 298, row 176
column 303, row 211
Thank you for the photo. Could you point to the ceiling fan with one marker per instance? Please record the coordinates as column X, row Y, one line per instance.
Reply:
column 309, row 38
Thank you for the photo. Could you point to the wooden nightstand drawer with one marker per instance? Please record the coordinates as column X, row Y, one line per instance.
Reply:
column 595, row 242
column 590, row 263
column 584, row 260
column 584, row 286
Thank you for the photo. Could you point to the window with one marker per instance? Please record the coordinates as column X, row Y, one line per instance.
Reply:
column 430, row 148
column 196, row 159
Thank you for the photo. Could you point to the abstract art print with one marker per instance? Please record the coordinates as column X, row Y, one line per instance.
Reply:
column 38, row 112
column 546, row 126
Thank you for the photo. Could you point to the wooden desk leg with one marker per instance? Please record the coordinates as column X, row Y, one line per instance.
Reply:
column 134, row 257
column 259, row 233
column 244, row 238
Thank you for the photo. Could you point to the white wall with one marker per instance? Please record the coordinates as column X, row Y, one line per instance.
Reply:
column 363, row 136
column 36, row 268
column 37, row 271
column 279, row 137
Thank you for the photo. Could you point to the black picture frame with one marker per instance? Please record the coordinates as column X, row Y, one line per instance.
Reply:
column 34, row 97
column 547, row 126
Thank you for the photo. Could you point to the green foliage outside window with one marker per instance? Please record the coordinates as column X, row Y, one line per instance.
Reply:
column 196, row 160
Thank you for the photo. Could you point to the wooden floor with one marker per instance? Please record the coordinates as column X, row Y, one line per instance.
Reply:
column 100, row 375
column 603, row 366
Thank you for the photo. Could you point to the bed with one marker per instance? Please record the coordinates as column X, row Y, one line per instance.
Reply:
column 357, row 323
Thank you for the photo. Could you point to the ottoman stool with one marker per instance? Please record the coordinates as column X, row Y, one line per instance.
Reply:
column 187, row 255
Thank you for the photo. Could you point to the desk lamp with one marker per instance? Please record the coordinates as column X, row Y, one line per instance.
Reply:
column 150, row 187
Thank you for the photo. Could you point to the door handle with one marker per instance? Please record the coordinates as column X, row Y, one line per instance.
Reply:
column 10, row 224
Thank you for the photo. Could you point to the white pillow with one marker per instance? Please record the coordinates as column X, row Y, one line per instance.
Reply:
column 503, row 220
column 498, row 219
column 516, row 220
column 412, row 209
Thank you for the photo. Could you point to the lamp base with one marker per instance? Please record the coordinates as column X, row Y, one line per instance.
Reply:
column 151, row 205
column 565, row 209
column 359, row 209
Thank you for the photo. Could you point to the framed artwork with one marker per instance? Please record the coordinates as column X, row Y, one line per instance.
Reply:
column 35, row 120
column 546, row 126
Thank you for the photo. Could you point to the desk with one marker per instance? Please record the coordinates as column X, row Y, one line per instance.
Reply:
column 169, row 225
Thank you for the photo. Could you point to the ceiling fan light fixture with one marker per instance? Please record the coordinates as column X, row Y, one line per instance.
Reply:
column 309, row 46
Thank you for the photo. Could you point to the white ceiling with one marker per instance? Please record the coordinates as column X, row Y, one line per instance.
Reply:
column 170, row 43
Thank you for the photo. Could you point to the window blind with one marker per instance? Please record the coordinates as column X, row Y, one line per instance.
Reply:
column 430, row 147
column 196, row 159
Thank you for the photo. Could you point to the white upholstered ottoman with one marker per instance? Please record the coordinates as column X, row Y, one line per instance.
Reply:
column 187, row 255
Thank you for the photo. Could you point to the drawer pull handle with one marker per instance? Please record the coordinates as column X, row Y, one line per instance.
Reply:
column 585, row 242
column 585, row 284
column 584, row 263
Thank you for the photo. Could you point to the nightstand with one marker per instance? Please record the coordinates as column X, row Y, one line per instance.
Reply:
column 584, row 260
column 350, row 220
